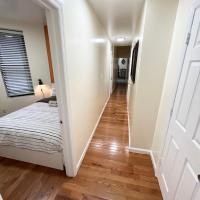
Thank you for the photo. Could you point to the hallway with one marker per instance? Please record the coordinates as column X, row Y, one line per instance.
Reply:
column 108, row 171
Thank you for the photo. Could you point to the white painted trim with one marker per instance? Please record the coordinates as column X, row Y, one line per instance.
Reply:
column 178, row 75
column 140, row 150
column 183, row 52
column 162, row 185
column 54, row 15
column 153, row 162
column 91, row 136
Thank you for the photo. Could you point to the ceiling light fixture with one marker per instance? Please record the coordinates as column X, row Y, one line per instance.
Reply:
column 121, row 39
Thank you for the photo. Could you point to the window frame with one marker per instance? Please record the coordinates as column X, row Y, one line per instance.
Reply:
column 31, row 92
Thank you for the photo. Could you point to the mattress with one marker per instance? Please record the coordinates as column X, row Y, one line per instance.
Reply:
column 35, row 127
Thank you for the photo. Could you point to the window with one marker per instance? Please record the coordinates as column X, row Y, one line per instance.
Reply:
column 14, row 64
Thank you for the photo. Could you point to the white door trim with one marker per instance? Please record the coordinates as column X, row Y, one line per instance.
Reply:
column 187, row 32
column 54, row 14
column 183, row 53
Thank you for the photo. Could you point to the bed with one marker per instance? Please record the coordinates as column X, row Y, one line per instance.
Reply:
column 33, row 134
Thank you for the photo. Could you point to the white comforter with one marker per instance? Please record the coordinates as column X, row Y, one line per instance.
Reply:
column 35, row 127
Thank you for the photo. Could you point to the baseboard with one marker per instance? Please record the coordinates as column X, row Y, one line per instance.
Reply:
column 91, row 136
column 140, row 150
column 154, row 163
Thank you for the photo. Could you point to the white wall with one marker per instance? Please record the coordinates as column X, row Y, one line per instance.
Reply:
column 114, row 69
column 158, row 27
column 131, row 87
column 89, row 63
column 172, row 74
column 37, row 56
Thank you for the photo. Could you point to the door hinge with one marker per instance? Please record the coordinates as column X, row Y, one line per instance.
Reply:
column 188, row 38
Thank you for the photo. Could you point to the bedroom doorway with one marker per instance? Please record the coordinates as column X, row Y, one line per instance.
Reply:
column 54, row 15
column 34, row 127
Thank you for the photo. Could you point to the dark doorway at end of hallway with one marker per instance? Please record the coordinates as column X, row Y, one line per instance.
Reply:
column 121, row 59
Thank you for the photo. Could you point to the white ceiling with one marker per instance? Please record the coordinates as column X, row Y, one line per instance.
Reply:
column 21, row 10
column 119, row 17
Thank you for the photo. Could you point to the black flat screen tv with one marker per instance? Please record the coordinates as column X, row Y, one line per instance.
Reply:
column 134, row 61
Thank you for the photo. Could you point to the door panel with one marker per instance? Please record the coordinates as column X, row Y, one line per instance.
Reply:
column 188, row 92
column 170, row 160
column 197, row 39
column 185, row 191
column 180, row 166
column 197, row 194
column 196, row 138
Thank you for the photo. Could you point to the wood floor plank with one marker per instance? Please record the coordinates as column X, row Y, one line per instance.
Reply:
column 109, row 170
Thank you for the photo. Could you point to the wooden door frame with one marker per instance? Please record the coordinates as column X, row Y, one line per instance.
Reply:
column 169, row 115
column 46, row 34
column 55, row 15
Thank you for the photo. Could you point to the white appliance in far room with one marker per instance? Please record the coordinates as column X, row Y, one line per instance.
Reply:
column 123, row 63
column 122, row 69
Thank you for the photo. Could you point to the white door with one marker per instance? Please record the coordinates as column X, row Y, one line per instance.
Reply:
column 180, row 168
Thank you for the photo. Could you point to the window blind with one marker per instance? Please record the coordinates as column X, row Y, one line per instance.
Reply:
column 14, row 64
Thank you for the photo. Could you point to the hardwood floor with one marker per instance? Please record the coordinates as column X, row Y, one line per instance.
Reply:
column 108, row 171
